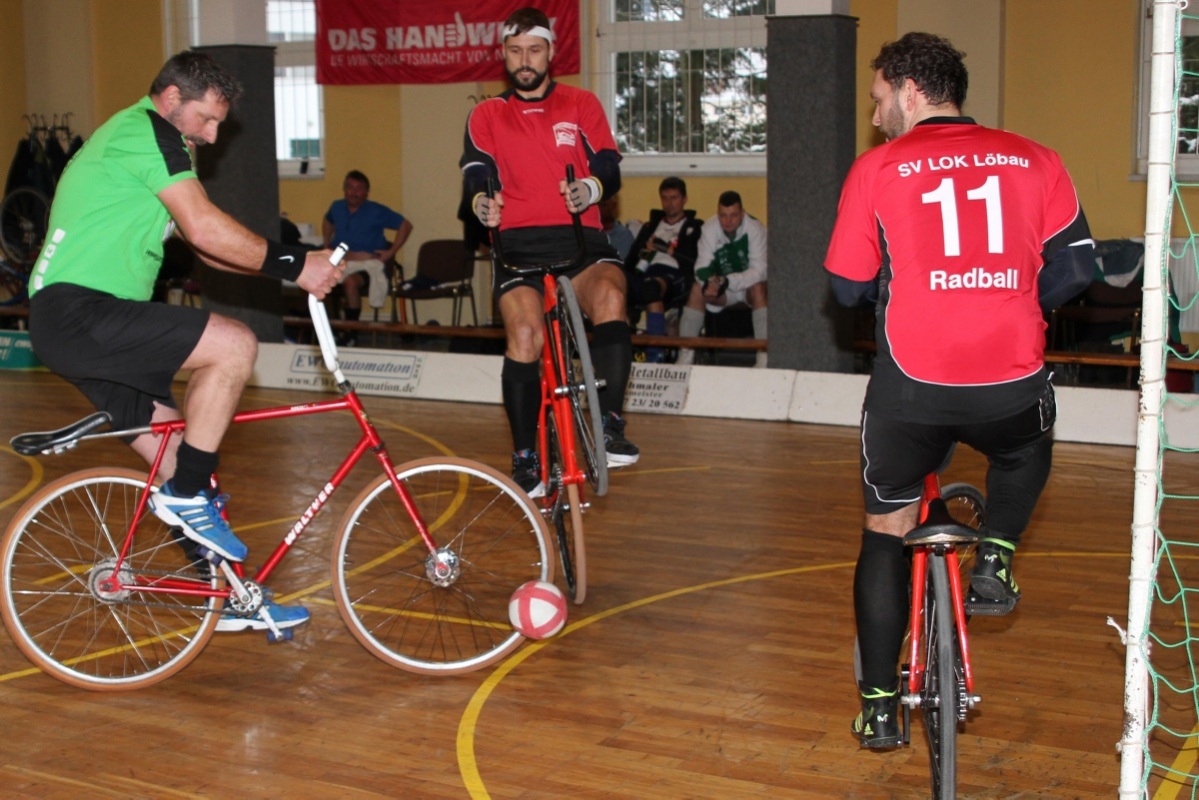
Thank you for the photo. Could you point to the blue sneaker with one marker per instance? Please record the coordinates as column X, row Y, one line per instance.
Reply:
column 283, row 616
column 200, row 520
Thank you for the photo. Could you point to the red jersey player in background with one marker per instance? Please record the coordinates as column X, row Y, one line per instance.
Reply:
column 960, row 236
column 524, row 139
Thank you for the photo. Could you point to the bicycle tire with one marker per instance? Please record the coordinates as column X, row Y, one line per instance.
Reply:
column 566, row 516
column 382, row 569
column 24, row 220
column 940, row 697
column 577, row 376
column 968, row 506
column 53, row 552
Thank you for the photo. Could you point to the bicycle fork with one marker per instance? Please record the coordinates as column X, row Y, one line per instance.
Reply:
column 914, row 672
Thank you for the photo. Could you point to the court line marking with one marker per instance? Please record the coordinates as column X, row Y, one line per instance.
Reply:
column 468, row 766
column 35, row 479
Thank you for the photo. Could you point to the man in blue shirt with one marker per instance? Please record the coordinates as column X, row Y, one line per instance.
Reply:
column 361, row 224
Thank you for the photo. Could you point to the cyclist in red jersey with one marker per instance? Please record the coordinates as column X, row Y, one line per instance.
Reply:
column 960, row 236
column 523, row 140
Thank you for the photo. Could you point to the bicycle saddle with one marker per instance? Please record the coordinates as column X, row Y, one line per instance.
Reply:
column 940, row 528
column 47, row 442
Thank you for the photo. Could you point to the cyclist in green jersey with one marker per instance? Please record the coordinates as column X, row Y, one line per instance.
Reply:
column 129, row 188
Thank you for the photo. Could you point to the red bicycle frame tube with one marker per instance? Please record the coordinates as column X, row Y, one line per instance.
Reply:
column 554, row 396
column 920, row 556
column 370, row 440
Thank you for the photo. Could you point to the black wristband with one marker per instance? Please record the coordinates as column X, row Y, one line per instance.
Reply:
column 283, row 261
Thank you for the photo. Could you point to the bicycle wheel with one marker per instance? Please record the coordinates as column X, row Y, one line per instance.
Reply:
column 386, row 582
column 24, row 218
column 56, row 551
column 941, row 698
column 566, row 515
column 578, row 377
column 967, row 505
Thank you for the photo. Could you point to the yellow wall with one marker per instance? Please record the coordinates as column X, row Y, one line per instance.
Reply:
column 1082, row 107
column 127, row 50
column 12, row 67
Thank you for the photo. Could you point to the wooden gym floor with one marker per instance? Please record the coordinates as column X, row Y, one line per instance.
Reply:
column 712, row 659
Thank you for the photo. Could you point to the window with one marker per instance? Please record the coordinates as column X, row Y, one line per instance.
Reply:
column 1187, row 161
column 684, row 83
column 299, row 112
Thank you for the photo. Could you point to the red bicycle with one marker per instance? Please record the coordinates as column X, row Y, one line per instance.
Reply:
column 570, row 440
column 101, row 594
column 938, row 678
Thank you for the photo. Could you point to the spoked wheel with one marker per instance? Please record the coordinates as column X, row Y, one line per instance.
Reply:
column 24, row 219
column 940, row 699
column 58, row 552
column 573, row 357
column 444, row 612
column 566, row 516
column 967, row 505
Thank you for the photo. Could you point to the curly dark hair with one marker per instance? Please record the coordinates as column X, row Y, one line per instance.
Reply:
column 930, row 61
column 194, row 74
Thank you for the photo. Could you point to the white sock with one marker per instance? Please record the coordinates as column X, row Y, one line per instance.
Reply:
column 691, row 322
column 759, row 319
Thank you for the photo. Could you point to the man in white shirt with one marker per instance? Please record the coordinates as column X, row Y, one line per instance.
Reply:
column 730, row 270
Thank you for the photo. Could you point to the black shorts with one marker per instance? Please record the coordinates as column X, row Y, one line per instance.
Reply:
column 896, row 455
column 122, row 354
column 676, row 285
column 549, row 245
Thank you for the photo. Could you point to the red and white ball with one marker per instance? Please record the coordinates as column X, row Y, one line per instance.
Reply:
column 537, row 609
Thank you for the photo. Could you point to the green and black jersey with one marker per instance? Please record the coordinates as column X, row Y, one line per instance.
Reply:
column 107, row 225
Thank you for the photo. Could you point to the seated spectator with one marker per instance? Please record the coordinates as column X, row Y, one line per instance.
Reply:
column 730, row 270
column 361, row 224
column 619, row 234
column 661, row 263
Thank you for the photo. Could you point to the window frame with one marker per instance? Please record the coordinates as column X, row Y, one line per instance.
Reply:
column 301, row 54
column 1186, row 165
column 693, row 32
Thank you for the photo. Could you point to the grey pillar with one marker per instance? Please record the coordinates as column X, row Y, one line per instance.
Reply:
column 241, row 178
column 811, row 116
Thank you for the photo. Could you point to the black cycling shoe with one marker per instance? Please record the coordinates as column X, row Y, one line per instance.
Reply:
column 621, row 452
column 526, row 471
column 877, row 727
column 992, row 576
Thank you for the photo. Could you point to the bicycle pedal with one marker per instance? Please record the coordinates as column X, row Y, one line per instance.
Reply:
column 977, row 605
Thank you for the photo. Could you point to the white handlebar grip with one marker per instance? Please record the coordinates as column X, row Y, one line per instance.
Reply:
column 339, row 254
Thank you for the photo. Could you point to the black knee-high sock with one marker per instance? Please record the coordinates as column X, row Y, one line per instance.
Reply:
column 193, row 470
column 521, row 386
column 880, row 602
column 612, row 357
column 1014, row 485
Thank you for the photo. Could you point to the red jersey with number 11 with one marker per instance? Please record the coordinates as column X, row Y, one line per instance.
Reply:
column 957, row 220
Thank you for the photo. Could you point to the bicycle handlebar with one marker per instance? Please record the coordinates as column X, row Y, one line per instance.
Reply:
column 320, row 322
column 497, row 249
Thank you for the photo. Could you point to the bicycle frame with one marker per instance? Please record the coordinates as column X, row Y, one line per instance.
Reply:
column 370, row 439
column 554, row 397
column 920, row 555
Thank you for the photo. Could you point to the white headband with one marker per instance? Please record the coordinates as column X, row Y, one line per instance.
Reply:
column 536, row 30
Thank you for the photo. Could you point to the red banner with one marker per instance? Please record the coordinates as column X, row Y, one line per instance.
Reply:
column 428, row 41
